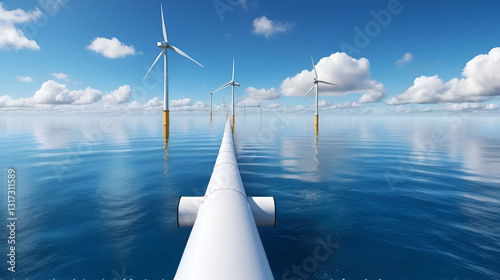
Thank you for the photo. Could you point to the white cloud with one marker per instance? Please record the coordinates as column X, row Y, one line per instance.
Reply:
column 263, row 26
column 87, row 96
column 155, row 102
column 371, row 97
column 273, row 106
column 469, row 106
column 349, row 105
column 56, row 97
column 52, row 92
column 111, row 48
column 298, row 108
column 480, row 83
column 350, row 74
column 24, row 79
column 407, row 58
column 323, row 103
column 5, row 101
column 262, row 94
column 12, row 37
column 248, row 102
column 61, row 76
column 119, row 96
column 491, row 106
column 187, row 104
column 180, row 102
column 461, row 107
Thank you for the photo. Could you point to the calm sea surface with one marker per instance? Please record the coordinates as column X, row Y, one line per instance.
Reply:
column 399, row 197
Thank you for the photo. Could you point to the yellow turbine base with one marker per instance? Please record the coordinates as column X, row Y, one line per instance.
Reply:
column 166, row 119
column 166, row 133
column 233, row 123
column 316, row 122
column 166, row 124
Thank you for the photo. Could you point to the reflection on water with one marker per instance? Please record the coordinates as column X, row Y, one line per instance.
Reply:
column 399, row 194
column 166, row 134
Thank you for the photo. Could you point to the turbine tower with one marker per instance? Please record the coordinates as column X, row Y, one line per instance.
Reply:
column 165, row 45
column 233, row 84
column 210, row 101
column 316, row 84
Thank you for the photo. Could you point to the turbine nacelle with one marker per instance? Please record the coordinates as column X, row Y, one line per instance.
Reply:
column 162, row 45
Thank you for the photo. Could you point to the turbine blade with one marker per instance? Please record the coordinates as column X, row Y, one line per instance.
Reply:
column 309, row 91
column 207, row 88
column 315, row 72
column 163, row 25
column 233, row 69
column 328, row 83
column 177, row 50
column 161, row 53
column 237, row 92
column 223, row 87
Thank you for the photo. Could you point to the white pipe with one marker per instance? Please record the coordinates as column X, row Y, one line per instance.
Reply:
column 263, row 210
column 224, row 242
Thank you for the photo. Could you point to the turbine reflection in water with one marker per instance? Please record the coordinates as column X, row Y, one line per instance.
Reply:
column 166, row 134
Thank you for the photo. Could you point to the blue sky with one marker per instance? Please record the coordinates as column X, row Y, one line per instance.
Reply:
column 270, row 40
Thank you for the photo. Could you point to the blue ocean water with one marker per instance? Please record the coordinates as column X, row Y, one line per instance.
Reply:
column 395, row 197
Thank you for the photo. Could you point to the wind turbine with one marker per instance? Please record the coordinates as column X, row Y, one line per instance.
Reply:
column 165, row 45
column 210, row 101
column 260, row 106
column 316, row 84
column 224, row 106
column 233, row 84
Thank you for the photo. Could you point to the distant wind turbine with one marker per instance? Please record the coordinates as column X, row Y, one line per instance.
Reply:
column 224, row 106
column 260, row 107
column 316, row 84
column 210, row 101
column 164, row 45
column 233, row 84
